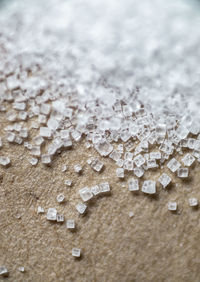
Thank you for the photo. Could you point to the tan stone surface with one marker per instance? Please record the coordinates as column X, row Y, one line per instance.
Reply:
column 154, row 245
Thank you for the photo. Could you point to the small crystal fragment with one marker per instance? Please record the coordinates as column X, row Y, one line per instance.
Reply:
column 138, row 171
column 35, row 150
column 164, row 179
column 76, row 252
column 104, row 148
column 77, row 168
column 46, row 159
column 193, row 202
column 4, row 161
column 95, row 190
column 183, row 172
column 173, row 165
column 33, row 161
column 76, row 135
column 45, row 132
column 128, row 165
column 120, row 172
column 96, row 165
column 60, row 218
column 60, row 198
column 40, row 209
column 172, row 206
column 21, row 269
column 3, row 271
column 81, row 208
column 133, row 184
column 52, row 214
column 85, row 194
column 1, row 144
column 139, row 160
column 64, row 168
column 10, row 136
column 149, row 187
column 70, row 224
column 68, row 182
column 131, row 214
column 104, row 187
column 188, row 160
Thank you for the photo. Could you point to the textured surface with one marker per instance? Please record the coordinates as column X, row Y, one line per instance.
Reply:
column 154, row 245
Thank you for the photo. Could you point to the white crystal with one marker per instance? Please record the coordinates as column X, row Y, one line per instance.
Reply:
column 128, row 165
column 138, row 171
column 60, row 218
column 133, row 184
column 76, row 135
column 172, row 206
column 4, row 161
column 76, row 252
column 131, row 214
column 104, row 148
column 78, row 168
column 46, row 159
column 68, row 182
column 183, row 172
column 149, row 187
column 35, row 151
column 95, row 190
column 21, row 269
column 104, row 187
column 33, row 161
column 70, row 224
column 165, row 180
column 40, row 209
column 3, row 271
column 10, row 136
column 173, row 165
column 120, row 172
column 64, row 168
column 193, row 202
column 139, row 160
column 96, row 165
column 85, row 194
column 60, row 198
column 81, row 208
column 188, row 160
column 1, row 143
column 45, row 132
column 52, row 214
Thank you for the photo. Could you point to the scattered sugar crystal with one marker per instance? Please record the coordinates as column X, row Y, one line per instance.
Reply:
column 1, row 143
column 182, row 132
column 64, row 134
column 35, row 150
column 76, row 252
column 128, row 164
column 3, row 271
column 45, row 132
column 120, row 163
column 18, row 140
column 11, row 116
column 33, row 161
column 173, row 165
column 193, row 202
column 78, row 168
column 104, row 187
column 161, row 130
column 4, row 161
column 172, row 206
column 76, row 135
column 10, row 136
column 183, row 172
column 138, row 171
column 45, row 109
column 52, row 124
column 46, row 159
column 60, row 218
column 155, row 155
column 149, row 187
column 60, row 198
column 85, row 194
column 131, row 214
column 133, row 184
column 70, row 224
column 68, row 182
column 120, row 172
column 52, row 214
column 164, row 179
column 23, row 133
column 188, row 160
column 95, row 190
column 40, row 209
column 64, row 168
column 96, row 165
column 19, row 106
column 42, row 119
column 115, row 155
column 104, row 148
column 22, row 115
column 81, row 208
column 120, row 148
column 21, row 269
column 128, row 156
column 151, row 163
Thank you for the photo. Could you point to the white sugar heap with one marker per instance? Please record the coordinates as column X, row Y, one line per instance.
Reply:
column 105, row 71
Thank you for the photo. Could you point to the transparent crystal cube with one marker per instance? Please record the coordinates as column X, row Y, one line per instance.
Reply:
column 70, row 224
column 133, row 184
column 120, row 172
column 76, row 252
column 173, row 165
column 183, row 172
column 193, row 202
column 52, row 214
column 165, row 180
column 149, row 187
column 172, row 206
column 81, row 208
column 188, row 160
column 85, row 194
